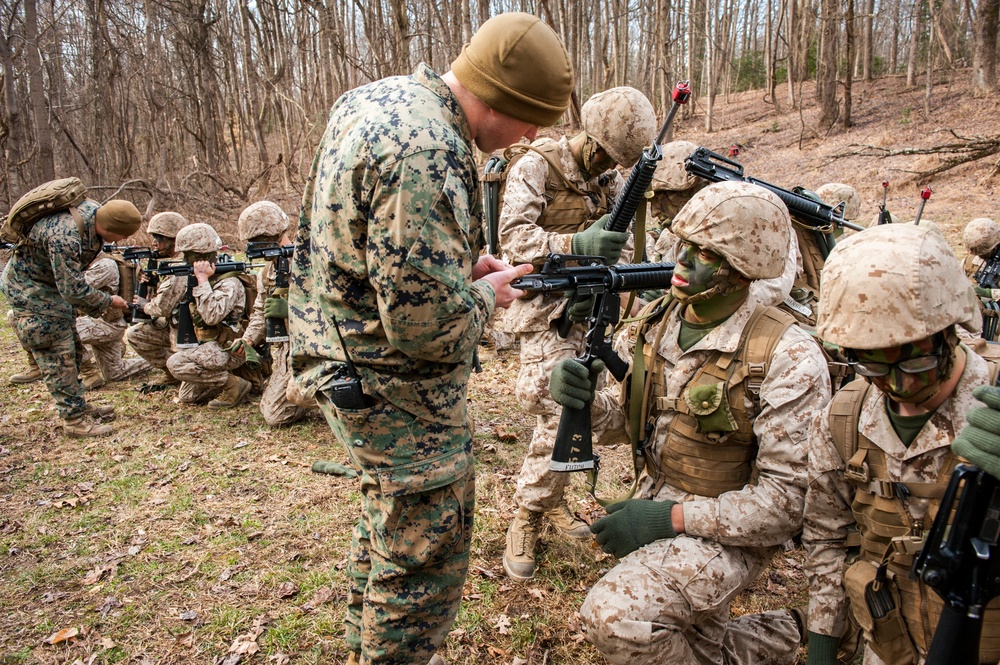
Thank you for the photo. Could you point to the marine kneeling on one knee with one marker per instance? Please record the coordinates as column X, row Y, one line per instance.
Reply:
column 216, row 306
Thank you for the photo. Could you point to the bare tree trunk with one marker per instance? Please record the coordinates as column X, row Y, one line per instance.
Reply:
column 849, row 73
column 867, row 42
column 984, row 63
column 894, row 43
column 12, row 129
column 911, row 57
column 44, row 160
column 828, row 63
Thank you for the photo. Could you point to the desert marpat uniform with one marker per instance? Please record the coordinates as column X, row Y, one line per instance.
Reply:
column 44, row 284
column 829, row 515
column 154, row 340
column 393, row 207
column 203, row 370
column 274, row 404
column 539, row 216
column 106, row 334
column 669, row 601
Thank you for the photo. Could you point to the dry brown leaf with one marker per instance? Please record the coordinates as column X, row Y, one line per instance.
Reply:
column 537, row 593
column 62, row 635
column 503, row 624
column 287, row 589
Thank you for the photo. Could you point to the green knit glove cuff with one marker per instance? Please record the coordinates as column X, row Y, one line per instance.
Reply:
column 983, row 293
column 979, row 441
column 822, row 649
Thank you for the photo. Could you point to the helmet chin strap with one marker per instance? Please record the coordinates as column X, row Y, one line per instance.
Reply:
column 721, row 285
column 587, row 152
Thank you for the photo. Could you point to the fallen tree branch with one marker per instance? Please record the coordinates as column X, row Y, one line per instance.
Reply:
column 968, row 149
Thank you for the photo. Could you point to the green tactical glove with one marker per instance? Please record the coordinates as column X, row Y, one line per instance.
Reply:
column 276, row 308
column 822, row 649
column 249, row 353
column 983, row 293
column 572, row 384
column 595, row 241
column 650, row 296
column 979, row 442
column 632, row 524
column 334, row 469
column 579, row 311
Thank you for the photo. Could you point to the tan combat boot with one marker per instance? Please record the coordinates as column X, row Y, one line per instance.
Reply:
column 90, row 375
column 522, row 536
column 80, row 426
column 30, row 375
column 100, row 412
column 353, row 659
column 568, row 523
column 437, row 660
column 234, row 392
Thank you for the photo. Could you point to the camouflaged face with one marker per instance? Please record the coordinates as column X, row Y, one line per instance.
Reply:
column 893, row 284
column 198, row 238
column 746, row 224
column 670, row 174
column 262, row 218
column 835, row 192
column 166, row 224
column 622, row 120
column 981, row 236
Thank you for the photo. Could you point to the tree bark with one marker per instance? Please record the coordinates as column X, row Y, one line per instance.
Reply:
column 984, row 63
column 44, row 160
column 827, row 75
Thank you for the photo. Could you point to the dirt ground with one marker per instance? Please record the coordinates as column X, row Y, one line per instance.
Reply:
column 200, row 536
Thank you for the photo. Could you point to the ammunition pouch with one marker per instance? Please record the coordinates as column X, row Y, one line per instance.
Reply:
column 877, row 611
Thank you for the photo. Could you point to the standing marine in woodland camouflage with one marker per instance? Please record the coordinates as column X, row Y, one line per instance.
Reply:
column 730, row 389
column 389, row 243
column 44, row 284
column 556, row 198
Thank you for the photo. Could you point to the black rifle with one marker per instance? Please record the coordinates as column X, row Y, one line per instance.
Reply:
column 186, row 336
column 883, row 213
column 276, row 329
column 574, row 450
column 634, row 192
column 987, row 277
column 960, row 562
column 714, row 167
column 5, row 245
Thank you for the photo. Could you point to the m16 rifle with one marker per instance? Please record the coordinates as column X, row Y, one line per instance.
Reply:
column 961, row 561
column 187, row 338
column 148, row 279
column 634, row 192
column 883, row 213
column 819, row 216
column 925, row 194
column 586, row 276
column 276, row 329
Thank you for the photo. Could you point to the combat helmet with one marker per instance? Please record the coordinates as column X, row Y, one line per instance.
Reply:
column 670, row 174
column 892, row 285
column 262, row 218
column 199, row 237
column 981, row 236
column 835, row 192
column 622, row 121
column 166, row 224
column 746, row 224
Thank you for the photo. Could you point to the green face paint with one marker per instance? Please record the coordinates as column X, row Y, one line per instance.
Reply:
column 695, row 271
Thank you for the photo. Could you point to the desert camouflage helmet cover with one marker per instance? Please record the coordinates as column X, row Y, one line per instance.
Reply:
column 622, row 120
column 746, row 224
column 262, row 218
column 833, row 193
column 670, row 174
column 166, row 224
column 891, row 285
column 981, row 236
column 198, row 237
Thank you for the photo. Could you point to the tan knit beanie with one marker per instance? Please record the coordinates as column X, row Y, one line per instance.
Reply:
column 119, row 217
column 515, row 64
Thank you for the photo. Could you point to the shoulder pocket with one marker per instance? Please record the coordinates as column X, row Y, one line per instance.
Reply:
column 442, row 250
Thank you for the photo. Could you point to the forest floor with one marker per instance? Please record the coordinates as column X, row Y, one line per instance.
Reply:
column 199, row 536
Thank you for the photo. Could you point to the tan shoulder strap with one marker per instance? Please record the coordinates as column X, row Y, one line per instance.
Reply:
column 845, row 413
column 766, row 327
